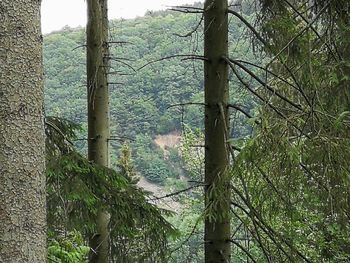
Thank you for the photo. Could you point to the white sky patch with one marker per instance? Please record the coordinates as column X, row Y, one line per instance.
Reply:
column 56, row 14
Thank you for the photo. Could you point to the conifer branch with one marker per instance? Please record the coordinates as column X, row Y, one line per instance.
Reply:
column 256, row 33
column 184, row 57
column 176, row 193
column 193, row 30
column 253, row 213
column 311, row 27
column 238, row 108
column 187, row 9
column 271, row 89
column 186, row 104
column 301, row 32
column 243, row 249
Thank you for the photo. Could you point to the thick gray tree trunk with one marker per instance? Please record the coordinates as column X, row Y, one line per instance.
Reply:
column 22, row 150
column 217, row 191
column 98, row 111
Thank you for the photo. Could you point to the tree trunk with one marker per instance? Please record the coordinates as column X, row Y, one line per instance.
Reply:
column 22, row 149
column 98, row 111
column 217, row 190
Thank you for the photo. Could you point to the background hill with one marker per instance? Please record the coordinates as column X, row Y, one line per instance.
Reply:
column 143, row 101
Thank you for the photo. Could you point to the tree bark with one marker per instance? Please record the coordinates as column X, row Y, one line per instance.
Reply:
column 217, row 190
column 98, row 112
column 22, row 149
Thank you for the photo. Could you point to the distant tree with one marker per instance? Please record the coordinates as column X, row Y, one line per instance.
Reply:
column 125, row 164
column 22, row 155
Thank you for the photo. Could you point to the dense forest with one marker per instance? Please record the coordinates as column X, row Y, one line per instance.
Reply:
column 213, row 132
column 144, row 102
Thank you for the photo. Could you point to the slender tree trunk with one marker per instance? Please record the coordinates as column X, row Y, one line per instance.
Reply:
column 217, row 191
column 98, row 112
column 22, row 149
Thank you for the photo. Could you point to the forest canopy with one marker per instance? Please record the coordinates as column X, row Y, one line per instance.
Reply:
column 214, row 132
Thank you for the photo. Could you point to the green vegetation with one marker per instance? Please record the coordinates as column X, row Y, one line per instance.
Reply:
column 74, row 198
column 143, row 102
column 288, row 137
column 68, row 248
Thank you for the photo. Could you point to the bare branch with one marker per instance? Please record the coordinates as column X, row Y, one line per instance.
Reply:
column 261, row 98
column 120, row 42
column 185, row 57
column 120, row 58
column 240, row 17
column 186, row 104
column 243, row 249
column 79, row 47
column 253, row 213
column 176, row 193
column 250, row 89
column 267, row 70
column 115, row 83
column 187, row 9
column 193, row 30
column 53, row 126
column 298, row 88
column 297, row 106
column 124, row 63
column 237, row 107
column 311, row 27
column 114, row 72
column 301, row 32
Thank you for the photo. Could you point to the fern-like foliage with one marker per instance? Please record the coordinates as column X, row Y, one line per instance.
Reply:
column 77, row 189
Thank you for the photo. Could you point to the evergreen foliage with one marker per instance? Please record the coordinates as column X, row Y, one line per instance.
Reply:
column 76, row 190
column 290, row 179
column 289, row 175
column 144, row 102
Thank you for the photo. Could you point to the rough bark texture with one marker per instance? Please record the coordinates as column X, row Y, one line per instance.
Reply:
column 22, row 159
column 217, row 198
column 98, row 111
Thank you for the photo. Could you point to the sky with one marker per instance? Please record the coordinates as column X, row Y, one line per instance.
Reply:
column 56, row 14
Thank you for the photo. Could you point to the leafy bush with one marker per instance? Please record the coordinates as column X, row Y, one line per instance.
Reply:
column 67, row 248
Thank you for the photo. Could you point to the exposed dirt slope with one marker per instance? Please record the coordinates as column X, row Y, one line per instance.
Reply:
column 158, row 191
column 171, row 140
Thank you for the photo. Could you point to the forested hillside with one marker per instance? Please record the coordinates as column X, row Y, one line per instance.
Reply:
column 155, row 90
column 148, row 97
column 235, row 114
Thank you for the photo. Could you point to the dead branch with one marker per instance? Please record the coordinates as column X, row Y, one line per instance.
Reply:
column 193, row 30
column 186, row 104
column 187, row 9
column 185, row 57
column 176, row 193
column 301, row 32
column 120, row 58
column 297, row 87
column 311, row 27
column 120, row 42
column 243, row 249
column 238, row 108
column 79, row 47
column 240, row 17
column 124, row 63
column 272, row 90
column 58, row 130
column 253, row 213
column 268, row 71
column 261, row 98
